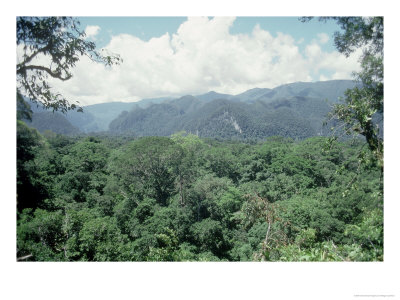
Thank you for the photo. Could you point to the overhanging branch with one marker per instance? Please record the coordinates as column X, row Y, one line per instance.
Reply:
column 58, row 75
column 32, row 56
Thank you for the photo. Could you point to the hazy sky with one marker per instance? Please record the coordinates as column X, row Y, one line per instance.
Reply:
column 174, row 56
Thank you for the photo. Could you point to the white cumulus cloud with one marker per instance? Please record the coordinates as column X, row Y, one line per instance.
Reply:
column 202, row 56
column 91, row 31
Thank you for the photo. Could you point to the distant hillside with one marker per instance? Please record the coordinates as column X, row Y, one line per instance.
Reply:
column 56, row 122
column 158, row 119
column 294, row 110
column 251, row 95
column 43, row 119
column 94, row 118
column 296, row 117
column 97, row 117
column 210, row 96
column 330, row 90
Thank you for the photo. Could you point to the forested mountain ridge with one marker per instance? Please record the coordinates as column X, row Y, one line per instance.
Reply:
column 331, row 90
column 43, row 119
column 94, row 118
column 100, row 115
column 295, row 110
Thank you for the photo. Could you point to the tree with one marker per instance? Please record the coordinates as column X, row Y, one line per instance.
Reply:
column 145, row 167
column 364, row 103
column 59, row 41
column 84, row 169
column 256, row 208
column 209, row 236
column 101, row 240
column 187, row 162
column 39, row 234
column 23, row 109
column 29, row 143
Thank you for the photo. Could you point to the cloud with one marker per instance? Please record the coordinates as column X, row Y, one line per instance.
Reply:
column 334, row 62
column 322, row 77
column 91, row 32
column 323, row 38
column 202, row 56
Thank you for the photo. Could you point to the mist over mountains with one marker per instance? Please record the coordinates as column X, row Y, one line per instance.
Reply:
column 295, row 110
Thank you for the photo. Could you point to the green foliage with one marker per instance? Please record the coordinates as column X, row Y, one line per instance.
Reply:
column 39, row 234
column 84, row 170
column 363, row 103
column 302, row 213
column 24, row 110
column 368, row 234
column 30, row 193
column 188, row 199
column 222, row 162
column 101, row 240
column 61, row 41
column 208, row 235
column 146, row 167
column 204, row 194
column 167, row 247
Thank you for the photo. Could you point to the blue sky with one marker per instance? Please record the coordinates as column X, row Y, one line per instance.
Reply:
column 176, row 56
column 149, row 27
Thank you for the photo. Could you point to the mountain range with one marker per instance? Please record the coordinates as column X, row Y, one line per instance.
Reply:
column 295, row 110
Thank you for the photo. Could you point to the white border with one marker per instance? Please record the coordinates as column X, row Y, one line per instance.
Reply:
column 197, row 280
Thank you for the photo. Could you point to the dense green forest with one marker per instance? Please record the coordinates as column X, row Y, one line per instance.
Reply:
column 185, row 198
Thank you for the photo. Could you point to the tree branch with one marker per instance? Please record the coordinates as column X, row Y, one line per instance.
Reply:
column 29, row 58
column 53, row 74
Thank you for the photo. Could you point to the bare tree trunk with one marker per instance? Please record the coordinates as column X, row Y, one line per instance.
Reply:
column 267, row 236
column 67, row 235
column 181, row 190
column 265, row 244
column 24, row 257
